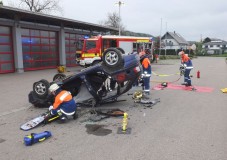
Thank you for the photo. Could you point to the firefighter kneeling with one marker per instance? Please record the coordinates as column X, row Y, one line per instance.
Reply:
column 146, row 75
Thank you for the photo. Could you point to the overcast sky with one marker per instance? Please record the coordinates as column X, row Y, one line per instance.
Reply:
column 192, row 19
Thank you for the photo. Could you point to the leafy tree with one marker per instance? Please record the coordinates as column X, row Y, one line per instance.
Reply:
column 199, row 50
column 157, row 43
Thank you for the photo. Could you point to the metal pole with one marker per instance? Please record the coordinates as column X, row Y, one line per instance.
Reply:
column 119, row 23
column 119, row 18
column 160, row 38
column 165, row 39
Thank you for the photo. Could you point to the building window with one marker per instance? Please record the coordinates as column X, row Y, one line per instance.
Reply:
column 6, row 50
column 211, row 46
column 39, row 49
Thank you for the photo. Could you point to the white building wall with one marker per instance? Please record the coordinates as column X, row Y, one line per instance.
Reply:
column 172, row 44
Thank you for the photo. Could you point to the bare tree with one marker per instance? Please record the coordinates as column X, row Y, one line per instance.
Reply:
column 43, row 6
column 113, row 20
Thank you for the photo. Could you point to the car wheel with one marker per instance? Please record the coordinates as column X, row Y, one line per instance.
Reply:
column 59, row 77
column 40, row 88
column 112, row 58
column 120, row 49
column 38, row 102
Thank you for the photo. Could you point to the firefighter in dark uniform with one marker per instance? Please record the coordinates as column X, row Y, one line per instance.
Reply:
column 146, row 64
column 187, row 63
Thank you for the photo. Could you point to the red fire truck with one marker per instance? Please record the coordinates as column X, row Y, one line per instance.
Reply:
column 94, row 47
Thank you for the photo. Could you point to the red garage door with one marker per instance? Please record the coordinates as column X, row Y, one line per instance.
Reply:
column 71, row 47
column 39, row 49
column 6, row 50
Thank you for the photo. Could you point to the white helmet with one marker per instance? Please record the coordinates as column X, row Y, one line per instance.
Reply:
column 142, row 53
column 53, row 87
column 180, row 53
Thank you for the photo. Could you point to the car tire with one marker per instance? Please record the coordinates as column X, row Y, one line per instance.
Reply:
column 120, row 49
column 112, row 58
column 38, row 102
column 59, row 77
column 40, row 88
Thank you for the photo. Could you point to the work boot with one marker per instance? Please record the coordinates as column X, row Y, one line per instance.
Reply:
column 63, row 119
column 185, row 83
column 75, row 116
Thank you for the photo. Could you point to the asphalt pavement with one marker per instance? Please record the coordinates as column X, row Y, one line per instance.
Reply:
column 185, row 125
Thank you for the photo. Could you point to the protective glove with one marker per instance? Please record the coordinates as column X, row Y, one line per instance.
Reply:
column 185, row 65
column 51, row 107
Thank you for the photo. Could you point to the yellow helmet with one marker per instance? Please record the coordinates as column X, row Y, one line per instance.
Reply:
column 137, row 95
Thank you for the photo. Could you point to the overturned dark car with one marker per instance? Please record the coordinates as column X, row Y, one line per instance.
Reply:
column 98, row 84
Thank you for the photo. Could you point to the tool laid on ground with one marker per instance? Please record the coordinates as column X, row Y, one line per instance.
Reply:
column 164, row 75
column 36, row 137
column 186, row 88
column 41, row 119
column 182, row 70
column 139, row 97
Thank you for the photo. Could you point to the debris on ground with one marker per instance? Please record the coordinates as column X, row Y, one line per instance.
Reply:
column 148, row 102
column 140, row 97
column 100, row 114
column 111, row 112
column 97, row 117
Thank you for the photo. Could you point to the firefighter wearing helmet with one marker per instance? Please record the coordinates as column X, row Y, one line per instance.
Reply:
column 64, row 104
column 146, row 64
column 186, row 63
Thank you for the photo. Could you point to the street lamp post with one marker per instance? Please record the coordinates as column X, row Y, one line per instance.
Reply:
column 119, row 3
column 160, row 42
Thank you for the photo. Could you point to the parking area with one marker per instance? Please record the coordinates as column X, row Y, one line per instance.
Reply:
column 185, row 125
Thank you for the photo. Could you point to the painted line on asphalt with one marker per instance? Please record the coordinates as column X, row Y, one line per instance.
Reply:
column 13, row 111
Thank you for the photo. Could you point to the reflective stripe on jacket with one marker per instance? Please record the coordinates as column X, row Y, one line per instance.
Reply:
column 63, row 96
column 187, row 61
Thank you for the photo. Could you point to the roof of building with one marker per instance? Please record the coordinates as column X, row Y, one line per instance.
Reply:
column 216, row 43
column 28, row 16
column 177, row 37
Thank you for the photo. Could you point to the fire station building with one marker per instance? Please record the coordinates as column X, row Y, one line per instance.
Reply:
column 34, row 41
